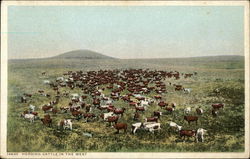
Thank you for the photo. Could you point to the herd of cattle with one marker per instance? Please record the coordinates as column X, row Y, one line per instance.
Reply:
column 131, row 86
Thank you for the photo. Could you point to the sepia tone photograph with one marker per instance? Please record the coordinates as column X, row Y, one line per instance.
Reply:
column 137, row 79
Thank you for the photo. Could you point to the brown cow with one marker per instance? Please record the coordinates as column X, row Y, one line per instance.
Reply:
column 151, row 119
column 188, row 133
column 47, row 120
column 120, row 126
column 88, row 116
column 119, row 111
column 191, row 118
column 157, row 97
column 218, row 105
column 142, row 109
column 54, row 111
column 112, row 119
column 169, row 109
column 162, row 104
column 157, row 114
column 46, row 108
column 77, row 113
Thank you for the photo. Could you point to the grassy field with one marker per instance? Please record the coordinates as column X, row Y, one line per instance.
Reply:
column 225, row 132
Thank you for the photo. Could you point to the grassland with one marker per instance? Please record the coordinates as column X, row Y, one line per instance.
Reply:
column 225, row 133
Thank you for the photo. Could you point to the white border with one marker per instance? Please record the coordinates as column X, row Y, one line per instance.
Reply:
column 4, row 79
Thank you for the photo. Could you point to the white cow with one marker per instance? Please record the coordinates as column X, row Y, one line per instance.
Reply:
column 106, row 115
column 187, row 90
column 174, row 125
column 32, row 108
column 30, row 117
column 60, row 79
column 46, row 82
column 200, row 134
column 136, row 126
column 144, row 103
column 151, row 127
column 187, row 110
column 67, row 124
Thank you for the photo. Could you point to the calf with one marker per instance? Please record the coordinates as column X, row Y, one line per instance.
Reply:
column 175, row 126
column 200, row 134
column 120, row 126
column 191, row 119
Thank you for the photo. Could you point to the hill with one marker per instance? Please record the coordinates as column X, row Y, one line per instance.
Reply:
column 82, row 54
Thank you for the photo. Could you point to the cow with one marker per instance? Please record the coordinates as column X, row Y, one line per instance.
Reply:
column 136, row 126
column 187, row 110
column 23, row 99
column 106, row 115
column 191, row 119
column 151, row 119
column 157, row 97
column 199, row 111
column 30, row 117
column 65, row 124
column 169, row 109
column 77, row 114
column 188, row 133
column 54, row 111
column 120, row 126
column 162, row 104
column 119, row 111
column 218, row 106
column 200, row 134
column 88, row 115
column 46, row 82
column 175, row 126
column 187, row 90
column 46, row 108
column 64, row 109
column 158, row 114
column 142, row 109
column 112, row 119
column 151, row 126
column 32, row 108
column 47, row 120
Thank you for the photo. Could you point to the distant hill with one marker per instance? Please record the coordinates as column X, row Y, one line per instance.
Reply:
column 82, row 54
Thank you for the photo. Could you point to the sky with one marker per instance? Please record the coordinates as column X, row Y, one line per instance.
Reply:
column 126, row 31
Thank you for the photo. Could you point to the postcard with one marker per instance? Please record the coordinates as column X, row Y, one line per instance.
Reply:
column 124, row 79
